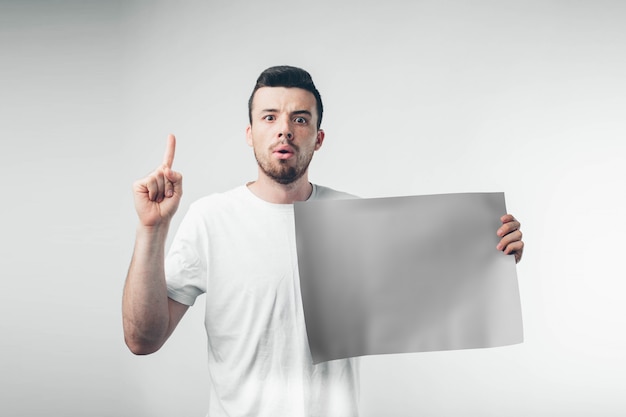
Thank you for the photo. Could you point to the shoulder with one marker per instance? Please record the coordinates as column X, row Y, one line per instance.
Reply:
column 326, row 193
column 219, row 201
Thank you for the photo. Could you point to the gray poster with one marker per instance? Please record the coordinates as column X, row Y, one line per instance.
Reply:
column 405, row 274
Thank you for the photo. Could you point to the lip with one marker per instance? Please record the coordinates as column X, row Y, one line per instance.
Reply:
column 283, row 152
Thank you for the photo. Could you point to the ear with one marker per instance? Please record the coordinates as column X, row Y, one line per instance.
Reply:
column 249, row 135
column 320, row 139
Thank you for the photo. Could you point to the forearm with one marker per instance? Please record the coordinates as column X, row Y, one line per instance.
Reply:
column 145, row 306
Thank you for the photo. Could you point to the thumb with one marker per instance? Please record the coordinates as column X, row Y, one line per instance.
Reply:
column 174, row 183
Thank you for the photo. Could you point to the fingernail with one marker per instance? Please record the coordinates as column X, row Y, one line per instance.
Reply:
column 170, row 193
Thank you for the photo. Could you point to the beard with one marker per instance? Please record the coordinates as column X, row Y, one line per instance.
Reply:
column 280, row 170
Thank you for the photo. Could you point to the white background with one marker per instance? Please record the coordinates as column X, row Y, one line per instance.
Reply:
column 421, row 97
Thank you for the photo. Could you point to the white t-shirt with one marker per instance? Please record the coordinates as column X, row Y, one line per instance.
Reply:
column 240, row 250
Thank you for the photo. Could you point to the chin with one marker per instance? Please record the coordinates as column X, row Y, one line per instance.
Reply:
column 282, row 173
column 285, row 176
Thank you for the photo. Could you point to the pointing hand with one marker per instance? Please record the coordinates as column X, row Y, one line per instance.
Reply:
column 157, row 196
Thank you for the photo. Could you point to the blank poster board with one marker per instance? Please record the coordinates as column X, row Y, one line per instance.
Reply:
column 405, row 274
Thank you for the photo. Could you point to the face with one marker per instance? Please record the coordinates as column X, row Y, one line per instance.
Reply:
column 284, row 132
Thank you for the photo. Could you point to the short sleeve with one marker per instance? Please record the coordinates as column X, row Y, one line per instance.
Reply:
column 186, row 261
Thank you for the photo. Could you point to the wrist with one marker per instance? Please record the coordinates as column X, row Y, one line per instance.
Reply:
column 153, row 232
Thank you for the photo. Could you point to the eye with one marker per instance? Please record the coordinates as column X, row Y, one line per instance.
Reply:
column 269, row 117
column 300, row 120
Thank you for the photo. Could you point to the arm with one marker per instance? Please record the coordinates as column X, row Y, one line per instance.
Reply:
column 149, row 316
column 511, row 242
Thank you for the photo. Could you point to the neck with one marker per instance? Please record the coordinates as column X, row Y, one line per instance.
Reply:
column 276, row 193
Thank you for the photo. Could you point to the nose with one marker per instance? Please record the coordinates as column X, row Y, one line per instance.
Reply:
column 284, row 130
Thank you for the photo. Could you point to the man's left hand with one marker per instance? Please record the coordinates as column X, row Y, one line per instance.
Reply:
column 511, row 242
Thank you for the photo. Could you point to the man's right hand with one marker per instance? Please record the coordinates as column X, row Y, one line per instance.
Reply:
column 157, row 196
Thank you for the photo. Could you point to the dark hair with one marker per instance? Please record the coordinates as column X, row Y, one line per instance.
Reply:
column 290, row 77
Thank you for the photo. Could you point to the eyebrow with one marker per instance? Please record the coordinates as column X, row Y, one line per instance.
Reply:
column 308, row 113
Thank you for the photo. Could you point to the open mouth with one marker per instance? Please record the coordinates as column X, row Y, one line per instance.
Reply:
column 283, row 152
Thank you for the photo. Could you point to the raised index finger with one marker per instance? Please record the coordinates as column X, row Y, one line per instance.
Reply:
column 168, row 158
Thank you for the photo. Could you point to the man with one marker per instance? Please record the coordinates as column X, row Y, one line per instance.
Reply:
column 239, row 248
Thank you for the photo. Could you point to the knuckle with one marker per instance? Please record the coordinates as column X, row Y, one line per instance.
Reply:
column 157, row 173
